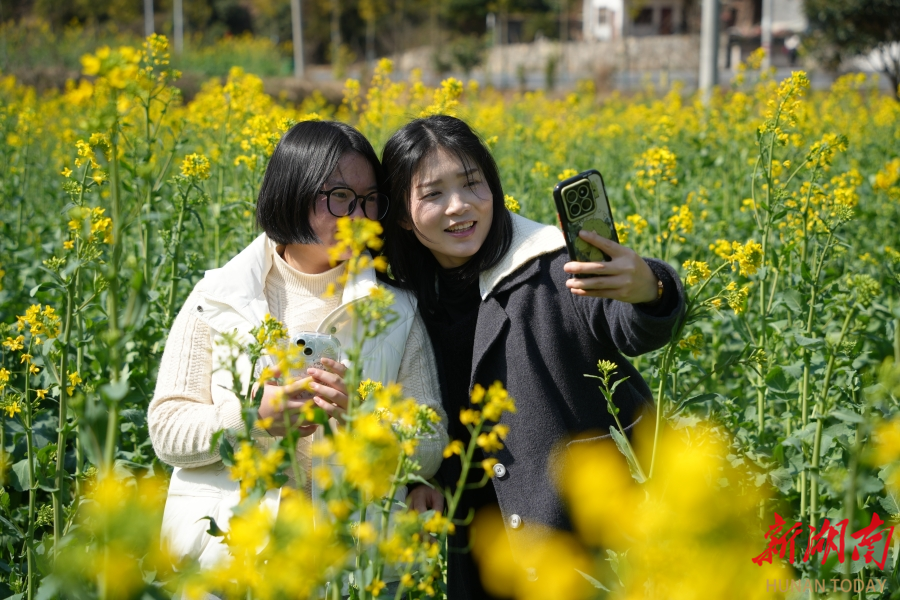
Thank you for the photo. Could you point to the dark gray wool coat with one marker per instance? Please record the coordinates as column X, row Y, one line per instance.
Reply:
column 539, row 340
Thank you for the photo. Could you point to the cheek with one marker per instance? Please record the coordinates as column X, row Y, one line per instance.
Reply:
column 426, row 215
column 322, row 226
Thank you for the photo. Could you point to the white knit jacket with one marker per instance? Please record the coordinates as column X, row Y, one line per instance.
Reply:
column 232, row 299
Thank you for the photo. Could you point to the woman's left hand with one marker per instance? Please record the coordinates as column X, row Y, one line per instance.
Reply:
column 329, row 388
column 624, row 277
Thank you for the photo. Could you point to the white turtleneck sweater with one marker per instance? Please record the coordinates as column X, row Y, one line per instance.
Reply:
column 182, row 416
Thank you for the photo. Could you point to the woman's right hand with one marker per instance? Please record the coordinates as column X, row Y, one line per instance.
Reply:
column 280, row 399
column 422, row 498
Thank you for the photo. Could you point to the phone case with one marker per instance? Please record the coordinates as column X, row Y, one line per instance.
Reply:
column 581, row 203
column 317, row 346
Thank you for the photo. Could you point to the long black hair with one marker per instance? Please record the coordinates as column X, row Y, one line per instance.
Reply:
column 304, row 158
column 413, row 266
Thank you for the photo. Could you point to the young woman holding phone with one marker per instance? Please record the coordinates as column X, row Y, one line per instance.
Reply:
column 497, row 298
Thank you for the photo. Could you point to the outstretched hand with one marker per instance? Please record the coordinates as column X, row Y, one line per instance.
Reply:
column 625, row 277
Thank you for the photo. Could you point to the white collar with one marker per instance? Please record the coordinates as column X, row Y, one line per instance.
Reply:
column 530, row 240
column 240, row 283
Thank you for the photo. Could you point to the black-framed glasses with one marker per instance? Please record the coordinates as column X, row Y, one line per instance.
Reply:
column 343, row 201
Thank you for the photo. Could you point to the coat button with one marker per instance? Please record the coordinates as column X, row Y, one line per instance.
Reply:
column 499, row 470
column 199, row 309
column 334, row 330
column 531, row 574
column 515, row 521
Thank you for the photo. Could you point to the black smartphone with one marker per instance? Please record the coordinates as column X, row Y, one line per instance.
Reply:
column 581, row 203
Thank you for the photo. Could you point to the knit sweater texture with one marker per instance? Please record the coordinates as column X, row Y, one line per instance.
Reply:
column 182, row 417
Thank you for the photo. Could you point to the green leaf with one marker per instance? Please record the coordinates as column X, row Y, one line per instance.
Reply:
column 807, row 342
column 697, row 400
column 806, row 273
column 114, row 392
column 782, row 479
column 10, row 525
column 778, row 381
column 20, row 480
column 593, row 581
column 793, row 300
column 226, row 451
column 214, row 529
column 847, row 417
column 214, row 441
column 891, row 501
column 625, row 449
column 613, row 387
column 615, row 562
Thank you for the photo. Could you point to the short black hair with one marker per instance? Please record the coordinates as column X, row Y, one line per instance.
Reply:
column 305, row 156
column 412, row 265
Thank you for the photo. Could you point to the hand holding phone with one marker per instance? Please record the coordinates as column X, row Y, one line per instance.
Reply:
column 601, row 266
column 320, row 379
column 625, row 276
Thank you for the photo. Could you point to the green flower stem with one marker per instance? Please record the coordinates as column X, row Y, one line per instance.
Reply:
column 897, row 341
column 805, row 212
column 821, row 407
column 804, row 385
column 112, row 299
column 299, row 475
column 176, row 251
column 763, row 313
column 668, row 356
column 753, row 189
column 466, row 463
column 772, row 291
column 21, row 211
column 850, row 495
column 386, row 514
column 59, row 496
column 761, row 340
column 32, row 493
column 79, row 361
column 659, row 224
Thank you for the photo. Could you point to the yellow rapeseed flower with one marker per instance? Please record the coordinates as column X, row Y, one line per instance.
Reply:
column 696, row 271
column 454, row 447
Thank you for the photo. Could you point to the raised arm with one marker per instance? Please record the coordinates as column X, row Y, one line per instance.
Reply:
column 636, row 317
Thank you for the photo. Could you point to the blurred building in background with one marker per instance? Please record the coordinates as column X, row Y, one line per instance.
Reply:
column 607, row 20
column 741, row 22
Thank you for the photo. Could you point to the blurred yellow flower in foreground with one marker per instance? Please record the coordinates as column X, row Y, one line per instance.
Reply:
column 689, row 532
column 552, row 563
column 291, row 557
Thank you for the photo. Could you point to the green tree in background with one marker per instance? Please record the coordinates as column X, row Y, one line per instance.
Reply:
column 845, row 28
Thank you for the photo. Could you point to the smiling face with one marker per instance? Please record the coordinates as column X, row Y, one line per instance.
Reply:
column 451, row 207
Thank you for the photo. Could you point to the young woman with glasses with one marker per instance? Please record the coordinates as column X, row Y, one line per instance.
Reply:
column 319, row 172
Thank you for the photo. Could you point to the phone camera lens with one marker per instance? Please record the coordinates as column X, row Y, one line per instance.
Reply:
column 571, row 196
column 301, row 342
column 308, row 351
column 583, row 191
